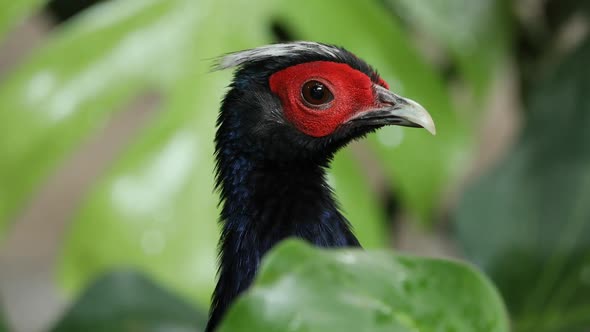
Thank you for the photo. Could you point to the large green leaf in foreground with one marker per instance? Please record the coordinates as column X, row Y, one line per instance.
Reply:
column 527, row 223
column 301, row 288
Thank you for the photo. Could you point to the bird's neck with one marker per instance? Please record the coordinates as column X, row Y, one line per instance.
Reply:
column 271, row 201
column 264, row 202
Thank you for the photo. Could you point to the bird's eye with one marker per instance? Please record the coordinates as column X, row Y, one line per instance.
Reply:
column 316, row 94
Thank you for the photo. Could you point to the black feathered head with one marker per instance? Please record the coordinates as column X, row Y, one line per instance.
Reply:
column 305, row 100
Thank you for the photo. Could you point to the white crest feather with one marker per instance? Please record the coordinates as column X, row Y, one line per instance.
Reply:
column 275, row 50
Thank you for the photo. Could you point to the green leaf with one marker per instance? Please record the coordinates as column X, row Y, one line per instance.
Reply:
column 301, row 288
column 128, row 301
column 12, row 12
column 527, row 223
column 477, row 38
column 68, row 88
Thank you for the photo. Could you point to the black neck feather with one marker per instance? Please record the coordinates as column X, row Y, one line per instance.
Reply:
column 263, row 202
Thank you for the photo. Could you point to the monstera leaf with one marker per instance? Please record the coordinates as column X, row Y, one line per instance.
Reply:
column 527, row 223
column 154, row 207
column 301, row 288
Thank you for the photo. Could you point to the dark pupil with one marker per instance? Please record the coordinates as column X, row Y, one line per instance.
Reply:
column 317, row 92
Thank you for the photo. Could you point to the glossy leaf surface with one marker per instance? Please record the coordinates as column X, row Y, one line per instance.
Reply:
column 301, row 288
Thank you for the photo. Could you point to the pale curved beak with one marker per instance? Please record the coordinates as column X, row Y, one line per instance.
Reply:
column 396, row 110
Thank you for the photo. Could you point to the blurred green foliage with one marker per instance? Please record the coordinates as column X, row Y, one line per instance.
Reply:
column 476, row 38
column 301, row 288
column 12, row 12
column 527, row 223
column 126, row 301
column 524, row 223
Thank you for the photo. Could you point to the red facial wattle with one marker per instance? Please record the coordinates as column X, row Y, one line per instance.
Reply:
column 352, row 91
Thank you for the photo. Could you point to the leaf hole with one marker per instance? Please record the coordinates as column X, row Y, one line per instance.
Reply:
column 280, row 32
column 64, row 10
